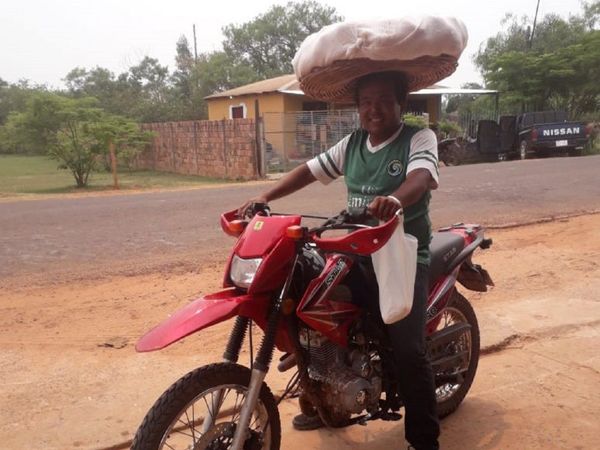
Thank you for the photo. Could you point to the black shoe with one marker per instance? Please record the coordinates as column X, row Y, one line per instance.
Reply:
column 302, row 422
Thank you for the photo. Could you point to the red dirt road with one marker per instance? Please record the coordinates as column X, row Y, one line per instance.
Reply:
column 71, row 377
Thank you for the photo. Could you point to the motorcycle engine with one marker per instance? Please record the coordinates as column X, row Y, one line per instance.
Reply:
column 350, row 379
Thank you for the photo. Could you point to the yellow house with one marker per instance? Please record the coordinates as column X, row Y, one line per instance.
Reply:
column 282, row 94
column 289, row 115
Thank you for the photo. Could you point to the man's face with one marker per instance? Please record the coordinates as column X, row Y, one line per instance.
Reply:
column 378, row 109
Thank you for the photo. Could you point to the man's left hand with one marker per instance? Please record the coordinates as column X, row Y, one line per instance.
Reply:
column 384, row 208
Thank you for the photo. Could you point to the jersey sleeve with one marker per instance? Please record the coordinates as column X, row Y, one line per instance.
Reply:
column 423, row 153
column 329, row 165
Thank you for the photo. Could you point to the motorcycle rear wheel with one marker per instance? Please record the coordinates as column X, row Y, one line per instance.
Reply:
column 175, row 421
column 450, row 395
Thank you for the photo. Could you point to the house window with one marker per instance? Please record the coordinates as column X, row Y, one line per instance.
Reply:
column 237, row 111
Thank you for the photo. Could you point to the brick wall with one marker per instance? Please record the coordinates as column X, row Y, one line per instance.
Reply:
column 219, row 149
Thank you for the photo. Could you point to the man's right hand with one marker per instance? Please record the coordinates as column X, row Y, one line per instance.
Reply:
column 246, row 207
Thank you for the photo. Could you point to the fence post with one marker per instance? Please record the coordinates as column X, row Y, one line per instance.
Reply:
column 172, row 136
column 195, row 122
column 224, row 149
column 258, row 153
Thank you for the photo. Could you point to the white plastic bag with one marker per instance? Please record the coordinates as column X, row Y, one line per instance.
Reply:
column 395, row 267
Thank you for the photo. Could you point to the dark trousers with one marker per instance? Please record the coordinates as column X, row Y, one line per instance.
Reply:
column 407, row 337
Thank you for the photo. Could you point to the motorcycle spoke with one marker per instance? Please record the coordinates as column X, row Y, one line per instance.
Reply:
column 209, row 418
column 237, row 407
column 190, row 425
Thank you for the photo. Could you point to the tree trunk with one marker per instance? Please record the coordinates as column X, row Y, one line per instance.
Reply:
column 113, row 164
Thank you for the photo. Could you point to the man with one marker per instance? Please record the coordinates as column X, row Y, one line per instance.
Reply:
column 387, row 166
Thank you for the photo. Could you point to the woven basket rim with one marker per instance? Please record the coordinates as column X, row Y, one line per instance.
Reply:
column 336, row 82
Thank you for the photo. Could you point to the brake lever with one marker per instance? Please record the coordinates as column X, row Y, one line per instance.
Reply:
column 357, row 215
column 258, row 208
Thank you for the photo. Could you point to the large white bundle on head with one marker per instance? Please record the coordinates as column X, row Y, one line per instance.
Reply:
column 390, row 42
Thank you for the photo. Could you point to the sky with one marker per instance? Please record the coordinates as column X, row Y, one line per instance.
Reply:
column 43, row 40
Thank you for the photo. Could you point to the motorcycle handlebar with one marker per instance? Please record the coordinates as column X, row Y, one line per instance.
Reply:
column 364, row 240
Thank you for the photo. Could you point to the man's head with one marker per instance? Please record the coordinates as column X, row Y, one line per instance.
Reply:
column 380, row 98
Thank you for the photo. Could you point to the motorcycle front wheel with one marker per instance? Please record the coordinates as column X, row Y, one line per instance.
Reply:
column 450, row 394
column 200, row 412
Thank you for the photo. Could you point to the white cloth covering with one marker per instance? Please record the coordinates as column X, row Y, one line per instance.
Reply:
column 405, row 38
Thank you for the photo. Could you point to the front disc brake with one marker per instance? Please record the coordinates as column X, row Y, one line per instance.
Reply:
column 220, row 437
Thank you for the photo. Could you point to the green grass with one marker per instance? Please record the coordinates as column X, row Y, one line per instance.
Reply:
column 40, row 175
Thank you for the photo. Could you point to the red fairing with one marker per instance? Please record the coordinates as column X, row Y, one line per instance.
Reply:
column 361, row 242
column 203, row 313
column 332, row 318
column 265, row 237
column 262, row 233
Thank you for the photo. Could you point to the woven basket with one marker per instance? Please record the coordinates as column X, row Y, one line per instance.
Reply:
column 337, row 81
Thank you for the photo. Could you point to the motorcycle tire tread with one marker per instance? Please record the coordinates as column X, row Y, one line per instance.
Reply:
column 172, row 402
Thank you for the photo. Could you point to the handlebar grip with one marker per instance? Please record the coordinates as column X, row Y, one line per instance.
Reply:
column 259, row 208
column 357, row 215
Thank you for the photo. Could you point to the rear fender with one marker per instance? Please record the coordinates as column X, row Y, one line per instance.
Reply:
column 202, row 313
column 474, row 277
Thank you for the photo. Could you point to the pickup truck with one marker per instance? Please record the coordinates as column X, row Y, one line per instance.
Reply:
column 549, row 132
column 534, row 133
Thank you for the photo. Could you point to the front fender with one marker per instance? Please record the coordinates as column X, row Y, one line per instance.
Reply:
column 202, row 313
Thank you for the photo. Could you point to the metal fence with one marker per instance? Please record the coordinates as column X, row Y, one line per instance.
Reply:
column 295, row 137
column 292, row 138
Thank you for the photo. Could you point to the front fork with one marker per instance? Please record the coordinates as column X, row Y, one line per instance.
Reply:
column 261, row 362
column 231, row 355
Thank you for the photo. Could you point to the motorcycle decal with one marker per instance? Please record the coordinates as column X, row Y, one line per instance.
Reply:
column 437, row 303
column 322, row 287
column 332, row 318
column 339, row 267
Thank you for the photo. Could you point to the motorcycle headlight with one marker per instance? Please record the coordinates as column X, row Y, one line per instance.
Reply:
column 242, row 271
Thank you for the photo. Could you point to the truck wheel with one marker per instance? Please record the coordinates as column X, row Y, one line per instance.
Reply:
column 523, row 150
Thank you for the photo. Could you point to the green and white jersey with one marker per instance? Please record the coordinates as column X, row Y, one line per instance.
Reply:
column 370, row 171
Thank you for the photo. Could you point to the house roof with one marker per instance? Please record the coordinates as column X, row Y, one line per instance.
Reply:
column 288, row 84
column 282, row 83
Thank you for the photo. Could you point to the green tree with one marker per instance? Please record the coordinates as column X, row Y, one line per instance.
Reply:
column 32, row 128
column 269, row 42
column 119, row 139
column 74, row 131
column 76, row 146
column 182, row 76
column 88, row 135
column 459, row 102
column 187, row 84
column 556, row 68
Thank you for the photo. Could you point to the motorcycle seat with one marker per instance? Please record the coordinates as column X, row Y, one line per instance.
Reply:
column 444, row 247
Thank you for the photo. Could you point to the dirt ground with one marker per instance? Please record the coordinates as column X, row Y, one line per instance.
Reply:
column 71, row 377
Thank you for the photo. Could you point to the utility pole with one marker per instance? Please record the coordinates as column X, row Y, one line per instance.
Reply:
column 534, row 22
column 196, row 48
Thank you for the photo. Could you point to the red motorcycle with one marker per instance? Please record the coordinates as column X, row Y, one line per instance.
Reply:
column 290, row 280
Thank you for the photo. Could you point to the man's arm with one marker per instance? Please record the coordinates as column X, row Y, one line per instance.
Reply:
column 293, row 181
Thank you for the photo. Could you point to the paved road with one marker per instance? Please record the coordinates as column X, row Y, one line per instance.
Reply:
column 130, row 233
